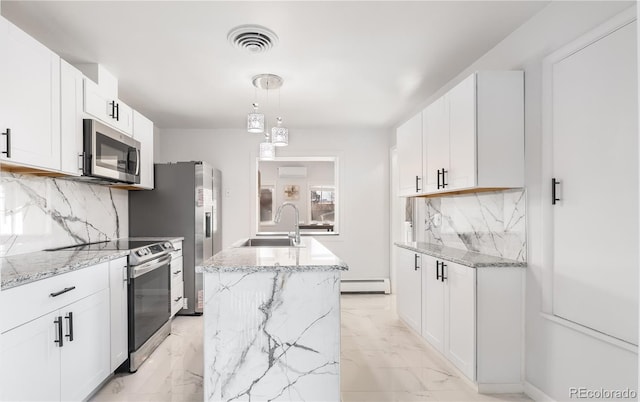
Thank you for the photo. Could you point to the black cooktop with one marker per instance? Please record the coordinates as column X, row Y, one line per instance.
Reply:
column 120, row 244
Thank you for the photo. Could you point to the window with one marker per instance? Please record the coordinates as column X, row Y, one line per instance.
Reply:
column 322, row 204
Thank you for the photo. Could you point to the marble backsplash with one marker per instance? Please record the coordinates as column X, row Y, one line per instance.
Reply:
column 41, row 212
column 491, row 223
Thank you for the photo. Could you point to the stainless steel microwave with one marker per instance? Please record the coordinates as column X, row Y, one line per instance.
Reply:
column 109, row 154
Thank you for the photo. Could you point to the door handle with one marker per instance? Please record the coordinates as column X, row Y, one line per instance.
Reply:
column 444, row 183
column 554, row 196
column 70, row 334
column 58, row 322
column 437, row 270
column 415, row 262
column 207, row 224
column 442, row 277
column 113, row 109
column 8, row 150
column 439, row 185
column 137, row 161
column 117, row 111
column 418, row 178
column 178, row 299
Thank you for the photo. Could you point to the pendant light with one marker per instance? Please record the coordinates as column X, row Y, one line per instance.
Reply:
column 267, row 149
column 255, row 120
column 279, row 134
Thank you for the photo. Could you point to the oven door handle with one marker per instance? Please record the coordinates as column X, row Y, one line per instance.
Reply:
column 150, row 266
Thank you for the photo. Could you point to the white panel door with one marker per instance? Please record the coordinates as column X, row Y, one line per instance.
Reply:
column 409, row 142
column 460, row 318
column 29, row 100
column 595, row 159
column 409, row 290
column 30, row 361
column 70, row 119
column 436, row 142
column 462, row 135
column 433, row 304
column 118, row 301
column 143, row 132
column 85, row 360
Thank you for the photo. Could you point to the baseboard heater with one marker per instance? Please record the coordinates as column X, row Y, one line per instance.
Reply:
column 365, row 286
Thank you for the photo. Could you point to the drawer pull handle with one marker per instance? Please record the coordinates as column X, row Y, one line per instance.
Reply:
column 177, row 272
column 65, row 290
column 58, row 322
column 178, row 299
column 70, row 318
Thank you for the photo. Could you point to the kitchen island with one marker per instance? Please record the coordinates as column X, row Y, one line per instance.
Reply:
column 272, row 323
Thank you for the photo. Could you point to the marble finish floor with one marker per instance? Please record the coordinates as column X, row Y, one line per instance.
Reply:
column 381, row 360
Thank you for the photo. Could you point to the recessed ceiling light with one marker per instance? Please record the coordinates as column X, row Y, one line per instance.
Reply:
column 252, row 38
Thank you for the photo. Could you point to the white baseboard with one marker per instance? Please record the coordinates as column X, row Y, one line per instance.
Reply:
column 536, row 394
column 375, row 285
column 500, row 388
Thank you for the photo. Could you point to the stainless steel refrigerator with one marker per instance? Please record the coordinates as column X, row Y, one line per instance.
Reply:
column 185, row 202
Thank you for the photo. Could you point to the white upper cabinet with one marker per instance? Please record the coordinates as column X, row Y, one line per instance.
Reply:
column 143, row 132
column 100, row 104
column 29, row 100
column 472, row 138
column 435, row 140
column 70, row 119
column 409, row 139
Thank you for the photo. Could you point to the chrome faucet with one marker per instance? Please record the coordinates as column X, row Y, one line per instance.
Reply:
column 296, row 239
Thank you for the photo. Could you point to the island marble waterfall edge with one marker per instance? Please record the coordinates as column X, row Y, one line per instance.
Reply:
column 272, row 335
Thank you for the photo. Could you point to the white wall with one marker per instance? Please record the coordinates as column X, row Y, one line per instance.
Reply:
column 363, row 242
column 557, row 357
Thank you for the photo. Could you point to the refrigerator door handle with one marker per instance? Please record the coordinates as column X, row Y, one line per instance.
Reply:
column 207, row 217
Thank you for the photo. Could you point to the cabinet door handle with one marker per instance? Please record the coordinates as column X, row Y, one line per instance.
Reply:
column 554, row 196
column 418, row 179
column 439, row 185
column 65, row 290
column 125, row 274
column 177, row 272
column 442, row 277
column 58, row 322
column 70, row 334
column 113, row 109
column 437, row 270
column 178, row 299
column 117, row 112
column 81, row 159
column 8, row 150
column 415, row 262
column 444, row 183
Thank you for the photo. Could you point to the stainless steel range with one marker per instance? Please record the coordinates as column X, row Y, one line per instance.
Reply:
column 149, row 294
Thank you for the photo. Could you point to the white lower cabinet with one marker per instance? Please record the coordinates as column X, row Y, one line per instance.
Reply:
column 177, row 279
column 84, row 362
column 473, row 316
column 59, row 350
column 118, row 280
column 408, row 288
column 448, row 313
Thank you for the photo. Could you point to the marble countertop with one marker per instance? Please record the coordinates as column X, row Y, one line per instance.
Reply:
column 314, row 256
column 462, row 257
column 21, row 269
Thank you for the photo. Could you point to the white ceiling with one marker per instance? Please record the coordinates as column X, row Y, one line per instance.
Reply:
column 345, row 64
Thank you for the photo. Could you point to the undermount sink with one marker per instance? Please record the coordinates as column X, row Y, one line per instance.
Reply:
column 269, row 242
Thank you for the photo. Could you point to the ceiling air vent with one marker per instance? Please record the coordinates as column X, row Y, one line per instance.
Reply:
column 253, row 38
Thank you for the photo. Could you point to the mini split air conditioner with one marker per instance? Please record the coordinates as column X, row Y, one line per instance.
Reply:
column 292, row 171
